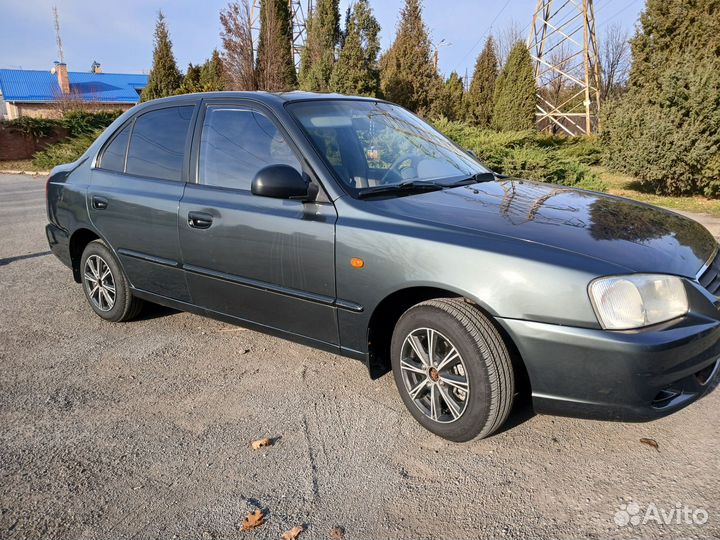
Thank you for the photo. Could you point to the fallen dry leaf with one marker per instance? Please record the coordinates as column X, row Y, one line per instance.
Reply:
column 337, row 533
column 253, row 519
column 293, row 533
column 261, row 443
column 652, row 443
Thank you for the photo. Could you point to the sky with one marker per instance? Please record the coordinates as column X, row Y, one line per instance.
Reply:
column 119, row 34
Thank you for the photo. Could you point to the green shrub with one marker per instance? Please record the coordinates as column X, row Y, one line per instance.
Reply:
column 81, row 122
column 83, row 127
column 64, row 152
column 34, row 127
column 531, row 155
column 665, row 130
column 672, row 143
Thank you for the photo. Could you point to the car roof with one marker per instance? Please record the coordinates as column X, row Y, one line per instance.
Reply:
column 269, row 98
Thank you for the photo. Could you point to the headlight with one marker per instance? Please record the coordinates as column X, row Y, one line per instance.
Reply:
column 626, row 302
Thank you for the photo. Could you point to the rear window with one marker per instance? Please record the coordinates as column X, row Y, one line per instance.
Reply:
column 113, row 159
column 157, row 143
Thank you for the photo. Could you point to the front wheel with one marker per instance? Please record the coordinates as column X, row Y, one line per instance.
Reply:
column 452, row 369
column 106, row 288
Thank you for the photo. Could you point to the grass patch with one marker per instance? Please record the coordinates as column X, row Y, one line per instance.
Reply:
column 20, row 165
column 627, row 186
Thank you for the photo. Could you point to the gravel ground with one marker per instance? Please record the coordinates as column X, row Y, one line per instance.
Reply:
column 142, row 430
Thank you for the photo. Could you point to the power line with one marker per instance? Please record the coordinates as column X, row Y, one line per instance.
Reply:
column 484, row 34
column 615, row 15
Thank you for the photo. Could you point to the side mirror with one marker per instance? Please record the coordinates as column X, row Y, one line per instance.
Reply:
column 280, row 182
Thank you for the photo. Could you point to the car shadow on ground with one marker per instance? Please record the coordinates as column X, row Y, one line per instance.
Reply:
column 521, row 412
column 152, row 311
column 9, row 260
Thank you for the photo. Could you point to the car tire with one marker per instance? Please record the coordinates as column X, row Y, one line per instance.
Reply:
column 112, row 299
column 432, row 387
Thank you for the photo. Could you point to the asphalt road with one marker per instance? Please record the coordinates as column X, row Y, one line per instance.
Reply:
column 142, row 430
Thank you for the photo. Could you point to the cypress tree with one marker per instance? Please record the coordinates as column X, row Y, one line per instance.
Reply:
column 666, row 129
column 515, row 92
column 407, row 72
column 276, row 67
column 191, row 81
column 356, row 71
column 318, row 56
column 479, row 99
column 165, row 78
column 449, row 103
column 211, row 73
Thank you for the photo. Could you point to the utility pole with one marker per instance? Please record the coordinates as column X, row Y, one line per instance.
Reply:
column 58, row 40
column 563, row 46
column 300, row 13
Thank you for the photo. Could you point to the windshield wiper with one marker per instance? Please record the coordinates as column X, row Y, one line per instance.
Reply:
column 476, row 179
column 402, row 187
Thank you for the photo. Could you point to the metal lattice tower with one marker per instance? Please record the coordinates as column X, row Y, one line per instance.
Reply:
column 563, row 46
column 300, row 12
column 58, row 39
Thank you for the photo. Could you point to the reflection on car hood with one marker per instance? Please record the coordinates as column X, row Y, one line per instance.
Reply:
column 639, row 237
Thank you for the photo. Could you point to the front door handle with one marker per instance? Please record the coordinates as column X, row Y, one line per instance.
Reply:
column 100, row 203
column 199, row 220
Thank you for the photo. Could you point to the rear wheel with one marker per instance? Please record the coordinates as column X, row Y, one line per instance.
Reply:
column 452, row 369
column 106, row 287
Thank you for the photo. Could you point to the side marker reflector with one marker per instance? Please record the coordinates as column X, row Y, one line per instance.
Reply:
column 357, row 263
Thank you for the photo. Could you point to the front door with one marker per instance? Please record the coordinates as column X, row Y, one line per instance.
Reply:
column 134, row 197
column 264, row 260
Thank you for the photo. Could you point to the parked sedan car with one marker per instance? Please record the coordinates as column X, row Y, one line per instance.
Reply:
column 353, row 226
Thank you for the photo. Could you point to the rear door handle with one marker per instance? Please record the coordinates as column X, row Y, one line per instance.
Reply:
column 199, row 220
column 100, row 203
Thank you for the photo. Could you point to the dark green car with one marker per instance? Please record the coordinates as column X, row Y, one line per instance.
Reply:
column 353, row 226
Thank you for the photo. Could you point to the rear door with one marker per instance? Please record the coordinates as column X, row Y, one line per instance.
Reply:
column 136, row 189
column 264, row 260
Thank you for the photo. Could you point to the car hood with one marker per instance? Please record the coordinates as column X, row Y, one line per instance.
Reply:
column 626, row 233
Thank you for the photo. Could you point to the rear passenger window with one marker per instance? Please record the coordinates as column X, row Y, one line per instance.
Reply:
column 113, row 159
column 236, row 143
column 157, row 144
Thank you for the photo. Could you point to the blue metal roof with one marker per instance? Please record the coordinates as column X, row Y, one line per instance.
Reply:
column 42, row 86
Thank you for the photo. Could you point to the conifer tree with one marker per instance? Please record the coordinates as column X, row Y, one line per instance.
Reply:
column 407, row 72
column 449, row 102
column 275, row 65
column 515, row 92
column 211, row 73
column 356, row 71
column 165, row 78
column 665, row 130
column 479, row 98
column 318, row 55
column 191, row 80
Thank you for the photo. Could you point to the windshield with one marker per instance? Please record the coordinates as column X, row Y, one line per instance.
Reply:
column 372, row 144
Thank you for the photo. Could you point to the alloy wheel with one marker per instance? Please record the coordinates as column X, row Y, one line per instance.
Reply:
column 434, row 375
column 99, row 282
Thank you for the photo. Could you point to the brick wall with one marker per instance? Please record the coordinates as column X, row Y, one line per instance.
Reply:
column 14, row 144
column 49, row 110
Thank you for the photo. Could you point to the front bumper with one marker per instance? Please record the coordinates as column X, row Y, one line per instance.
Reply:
column 635, row 375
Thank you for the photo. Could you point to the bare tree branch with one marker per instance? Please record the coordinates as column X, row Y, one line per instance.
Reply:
column 614, row 61
column 237, row 41
column 506, row 39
